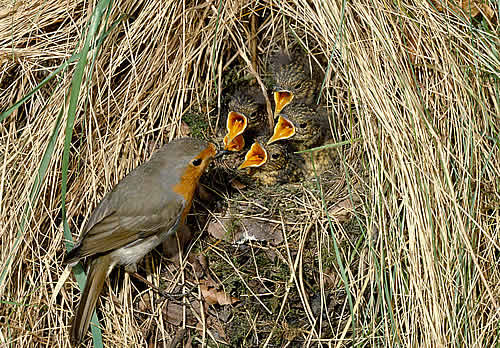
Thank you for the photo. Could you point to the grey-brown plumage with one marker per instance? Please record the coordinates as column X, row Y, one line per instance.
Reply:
column 311, row 126
column 311, row 130
column 251, row 103
column 140, row 212
column 282, row 166
column 291, row 73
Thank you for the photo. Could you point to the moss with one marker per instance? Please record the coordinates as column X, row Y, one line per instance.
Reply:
column 197, row 124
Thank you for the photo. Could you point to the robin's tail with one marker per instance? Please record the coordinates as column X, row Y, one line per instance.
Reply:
column 98, row 271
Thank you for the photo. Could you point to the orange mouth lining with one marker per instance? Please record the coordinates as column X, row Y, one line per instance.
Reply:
column 284, row 129
column 282, row 99
column 235, row 125
column 237, row 144
column 255, row 157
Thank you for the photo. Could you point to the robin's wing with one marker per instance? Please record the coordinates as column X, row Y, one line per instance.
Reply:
column 117, row 230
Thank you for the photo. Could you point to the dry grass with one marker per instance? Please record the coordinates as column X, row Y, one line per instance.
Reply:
column 419, row 86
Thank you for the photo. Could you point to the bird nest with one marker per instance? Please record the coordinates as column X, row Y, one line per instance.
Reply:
column 263, row 219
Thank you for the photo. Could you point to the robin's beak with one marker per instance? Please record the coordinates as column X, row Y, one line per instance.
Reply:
column 284, row 129
column 255, row 157
column 237, row 144
column 281, row 99
column 236, row 125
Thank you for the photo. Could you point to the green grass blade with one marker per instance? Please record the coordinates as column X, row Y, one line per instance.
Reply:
column 331, row 146
column 343, row 272
column 76, row 84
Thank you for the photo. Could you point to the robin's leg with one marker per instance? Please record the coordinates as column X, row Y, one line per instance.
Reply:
column 132, row 270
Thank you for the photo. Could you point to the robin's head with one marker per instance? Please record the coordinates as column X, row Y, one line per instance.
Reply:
column 183, row 161
column 301, row 124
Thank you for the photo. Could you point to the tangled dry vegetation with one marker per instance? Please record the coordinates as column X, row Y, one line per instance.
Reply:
column 396, row 245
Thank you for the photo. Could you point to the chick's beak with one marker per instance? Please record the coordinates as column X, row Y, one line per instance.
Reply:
column 255, row 157
column 236, row 144
column 236, row 125
column 281, row 99
column 284, row 129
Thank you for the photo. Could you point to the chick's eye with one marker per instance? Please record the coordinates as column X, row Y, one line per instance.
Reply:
column 196, row 162
column 303, row 125
column 275, row 156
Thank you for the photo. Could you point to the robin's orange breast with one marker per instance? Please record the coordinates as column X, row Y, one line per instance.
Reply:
column 189, row 180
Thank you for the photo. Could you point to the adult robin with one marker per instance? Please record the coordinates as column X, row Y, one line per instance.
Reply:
column 305, row 127
column 293, row 81
column 272, row 164
column 140, row 212
column 246, row 114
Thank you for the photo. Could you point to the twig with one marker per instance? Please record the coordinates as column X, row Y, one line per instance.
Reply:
column 270, row 116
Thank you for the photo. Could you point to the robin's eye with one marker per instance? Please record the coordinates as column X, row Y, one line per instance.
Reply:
column 275, row 156
column 303, row 125
column 196, row 162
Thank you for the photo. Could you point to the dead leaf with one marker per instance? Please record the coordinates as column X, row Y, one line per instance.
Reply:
column 213, row 296
column 468, row 8
column 243, row 230
column 217, row 230
column 255, row 230
column 215, row 327
column 173, row 312
column 200, row 264
column 184, row 130
column 224, row 314
column 237, row 185
column 341, row 211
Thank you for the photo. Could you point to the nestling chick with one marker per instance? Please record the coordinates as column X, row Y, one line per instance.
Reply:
column 302, row 125
column 272, row 164
column 293, row 81
column 246, row 115
column 305, row 127
column 251, row 104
